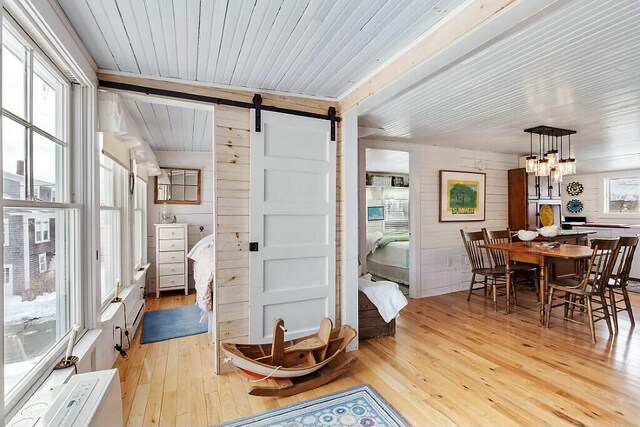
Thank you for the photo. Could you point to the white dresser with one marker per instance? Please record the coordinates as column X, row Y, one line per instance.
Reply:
column 171, row 257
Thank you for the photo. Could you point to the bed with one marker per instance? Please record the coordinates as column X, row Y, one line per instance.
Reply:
column 389, row 258
column 203, row 266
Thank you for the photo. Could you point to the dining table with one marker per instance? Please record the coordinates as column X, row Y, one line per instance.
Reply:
column 541, row 254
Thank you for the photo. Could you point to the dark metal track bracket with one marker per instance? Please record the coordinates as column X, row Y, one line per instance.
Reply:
column 257, row 105
column 332, row 118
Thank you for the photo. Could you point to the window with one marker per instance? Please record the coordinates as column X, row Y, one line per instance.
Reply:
column 35, row 115
column 139, row 223
column 622, row 195
column 42, row 262
column 8, row 278
column 42, row 295
column 112, row 179
column 42, row 230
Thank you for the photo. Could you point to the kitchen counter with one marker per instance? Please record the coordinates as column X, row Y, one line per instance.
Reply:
column 600, row 225
column 576, row 233
column 603, row 225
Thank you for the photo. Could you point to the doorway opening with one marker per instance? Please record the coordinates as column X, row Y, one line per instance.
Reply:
column 388, row 250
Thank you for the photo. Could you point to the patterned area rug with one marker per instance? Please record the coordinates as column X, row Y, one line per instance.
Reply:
column 360, row 406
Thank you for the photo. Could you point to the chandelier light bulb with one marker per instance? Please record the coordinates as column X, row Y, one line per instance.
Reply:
column 552, row 156
column 563, row 166
column 543, row 168
column 531, row 164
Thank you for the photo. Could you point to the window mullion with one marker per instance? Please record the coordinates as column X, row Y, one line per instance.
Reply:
column 29, row 151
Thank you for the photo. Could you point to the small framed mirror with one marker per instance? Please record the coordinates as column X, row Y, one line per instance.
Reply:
column 178, row 186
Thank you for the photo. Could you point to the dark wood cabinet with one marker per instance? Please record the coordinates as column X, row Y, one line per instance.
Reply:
column 527, row 193
column 518, row 199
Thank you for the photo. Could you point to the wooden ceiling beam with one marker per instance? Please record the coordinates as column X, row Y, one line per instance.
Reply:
column 311, row 105
column 467, row 30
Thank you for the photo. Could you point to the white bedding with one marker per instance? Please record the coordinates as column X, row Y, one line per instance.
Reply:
column 372, row 241
column 203, row 266
column 395, row 254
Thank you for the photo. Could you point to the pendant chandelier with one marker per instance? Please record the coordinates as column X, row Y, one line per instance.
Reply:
column 550, row 160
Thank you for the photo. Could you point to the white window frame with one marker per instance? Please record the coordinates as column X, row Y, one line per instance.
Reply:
column 42, row 262
column 140, row 206
column 74, row 193
column 603, row 195
column 42, row 226
column 8, row 267
column 118, row 203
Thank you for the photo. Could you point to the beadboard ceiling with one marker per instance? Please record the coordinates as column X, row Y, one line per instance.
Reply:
column 171, row 128
column 576, row 68
column 391, row 161
column 310, row 47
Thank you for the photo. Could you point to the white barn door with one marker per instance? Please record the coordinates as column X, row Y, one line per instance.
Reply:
column 293, row 215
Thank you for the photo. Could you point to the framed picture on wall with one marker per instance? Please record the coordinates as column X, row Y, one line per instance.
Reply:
column 375, row 213
column 462, row 196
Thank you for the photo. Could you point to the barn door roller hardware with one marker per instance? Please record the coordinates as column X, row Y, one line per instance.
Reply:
column 106, row 84
column 257, row 105
column 332, row 118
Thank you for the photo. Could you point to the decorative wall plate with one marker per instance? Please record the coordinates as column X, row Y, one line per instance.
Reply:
column 574, row 206
column 546, row 215
column 575, row 188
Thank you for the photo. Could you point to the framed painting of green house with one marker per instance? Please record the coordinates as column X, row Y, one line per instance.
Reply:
column 462, row 196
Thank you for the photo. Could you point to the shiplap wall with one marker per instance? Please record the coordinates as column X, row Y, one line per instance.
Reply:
column 443, row 263
column 194, row 215
column 232, row 174
column 231, row 293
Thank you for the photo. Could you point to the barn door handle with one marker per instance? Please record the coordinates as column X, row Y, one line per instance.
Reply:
column 253, row 247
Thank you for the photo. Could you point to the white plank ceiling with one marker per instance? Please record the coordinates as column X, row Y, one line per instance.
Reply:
column 310, row 47
column 170, row 128
column 578, row 68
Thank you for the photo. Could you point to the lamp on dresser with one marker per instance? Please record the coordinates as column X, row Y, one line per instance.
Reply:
column 171, row 257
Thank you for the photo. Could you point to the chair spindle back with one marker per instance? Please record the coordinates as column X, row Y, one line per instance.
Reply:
column 601, row 264
column 472, row 241
column 497, row 237
column 626, row 252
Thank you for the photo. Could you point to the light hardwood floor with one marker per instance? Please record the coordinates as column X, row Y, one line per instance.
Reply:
column 451, row 362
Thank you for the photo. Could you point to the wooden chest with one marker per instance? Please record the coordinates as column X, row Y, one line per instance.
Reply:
column 370, row 323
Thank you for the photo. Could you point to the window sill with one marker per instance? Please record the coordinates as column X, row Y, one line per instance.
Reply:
column 109, row 309
column 82, row 350
column 140, row 272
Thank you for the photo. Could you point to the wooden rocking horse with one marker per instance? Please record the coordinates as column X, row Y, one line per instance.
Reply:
column 287, row 368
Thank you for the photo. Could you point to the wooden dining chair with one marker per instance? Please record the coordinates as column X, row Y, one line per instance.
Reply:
column 481, row 267
column 617, row 285
column 588, row 290
column 499, row 260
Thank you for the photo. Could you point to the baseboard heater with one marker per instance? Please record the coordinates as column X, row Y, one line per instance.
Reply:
column 137, row 318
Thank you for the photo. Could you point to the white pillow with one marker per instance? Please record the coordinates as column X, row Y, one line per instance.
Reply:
column 206, row 242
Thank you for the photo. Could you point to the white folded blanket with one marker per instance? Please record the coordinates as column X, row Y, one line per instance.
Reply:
column 386, row 296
